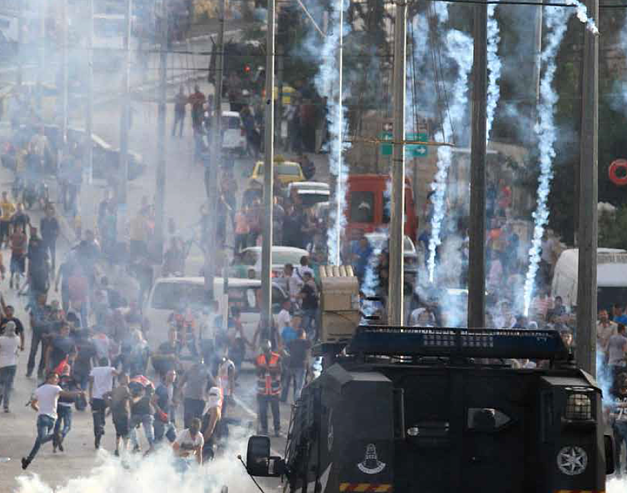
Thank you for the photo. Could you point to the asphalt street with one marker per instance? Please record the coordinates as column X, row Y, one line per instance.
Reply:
column 184, row 195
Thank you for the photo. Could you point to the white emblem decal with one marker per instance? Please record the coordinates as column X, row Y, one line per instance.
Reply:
column 572, row 461
column 371, row 463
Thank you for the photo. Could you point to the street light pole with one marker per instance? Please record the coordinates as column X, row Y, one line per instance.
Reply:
column 89, row 116
column 476, row 257
column 122, row 198
column 64, row 75
column 397, row 223
column 42, row 57
column 339, row 190
column 20, row 40
column 161, row 137
column 268, row 173
column 588, row 199
column 213, row 168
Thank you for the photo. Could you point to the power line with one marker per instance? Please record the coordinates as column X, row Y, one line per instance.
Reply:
column 519, row 2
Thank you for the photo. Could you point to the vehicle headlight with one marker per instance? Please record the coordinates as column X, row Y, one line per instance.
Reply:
column 578, row 407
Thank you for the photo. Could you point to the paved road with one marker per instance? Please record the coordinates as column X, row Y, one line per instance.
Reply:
column 185, row 193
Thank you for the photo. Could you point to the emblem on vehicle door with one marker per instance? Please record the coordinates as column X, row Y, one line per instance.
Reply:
column 572, row 461
column 371, row 463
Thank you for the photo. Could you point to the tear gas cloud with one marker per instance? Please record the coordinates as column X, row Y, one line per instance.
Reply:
column 494, row 68
column 556, row 20
column 459, row 47
column 328, row 82
column 154, row 473
column 582, row 15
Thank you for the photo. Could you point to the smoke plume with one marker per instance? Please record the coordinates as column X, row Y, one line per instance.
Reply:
column 556, row 19
column 328, row 82
column 459, row 47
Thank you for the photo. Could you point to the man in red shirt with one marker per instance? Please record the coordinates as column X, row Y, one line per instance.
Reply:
column 18, row 242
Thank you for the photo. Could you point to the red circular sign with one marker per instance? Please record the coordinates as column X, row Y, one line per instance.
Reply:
column 618, row 172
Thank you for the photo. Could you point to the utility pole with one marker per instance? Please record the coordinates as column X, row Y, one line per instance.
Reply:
column 89, row 116
column 279, row 104
column 42, row 57
column 161, row 137
column 125, row 118
column 339, row 190
column 212, row 171
column 64, row 75
column 476, row 257
column 588, row 199
column 20, row 40
column 397, row 222
column 268, row 173
column 537, row 55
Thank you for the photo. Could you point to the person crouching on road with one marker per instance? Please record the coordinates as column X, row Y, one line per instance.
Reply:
column 268, row 365
column 188, row 444
column 44, row 401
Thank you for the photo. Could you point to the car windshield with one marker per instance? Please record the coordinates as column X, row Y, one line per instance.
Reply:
column 282, row 169
column 231, row 122
column 173, row 295
column 362, row 207
column 250, row 257
column 282, row 258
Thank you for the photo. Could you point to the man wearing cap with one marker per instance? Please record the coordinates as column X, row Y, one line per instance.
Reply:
column 268, row 365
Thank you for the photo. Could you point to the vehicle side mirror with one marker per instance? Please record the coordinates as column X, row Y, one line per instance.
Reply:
column 609, row 454
column 258, row 460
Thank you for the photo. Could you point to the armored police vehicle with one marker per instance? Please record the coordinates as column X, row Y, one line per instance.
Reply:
column 439, row 410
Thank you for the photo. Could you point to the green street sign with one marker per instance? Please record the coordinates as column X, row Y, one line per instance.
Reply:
column 412, row 150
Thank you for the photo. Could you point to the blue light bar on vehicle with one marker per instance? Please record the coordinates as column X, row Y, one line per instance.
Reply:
column 445, row 342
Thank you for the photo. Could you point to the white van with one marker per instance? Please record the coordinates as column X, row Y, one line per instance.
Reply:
column 611, row 277
column 233, row 135
column 170, row 293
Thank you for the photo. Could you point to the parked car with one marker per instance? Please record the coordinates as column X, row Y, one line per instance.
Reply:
column 310, row 192
column 281, row 255
column 106, row 159
column 286, row 172
column 233, row 135
column 171, row 293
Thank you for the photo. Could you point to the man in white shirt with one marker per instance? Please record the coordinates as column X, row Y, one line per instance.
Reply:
column 189, row 442
column 605, row 330
column 292, row 282
column 100, row 383
column 9, row 346
column 44, row 401
column 284, row 319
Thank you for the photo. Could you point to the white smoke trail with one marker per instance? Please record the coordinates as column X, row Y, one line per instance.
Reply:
column 155, row 473
column 328, row 83
column 418, row 33
column 582, row 15
column 556, row 19
column 494, row 68
column 459, row 48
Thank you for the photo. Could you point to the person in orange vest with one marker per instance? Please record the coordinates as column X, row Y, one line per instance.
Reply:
column 268, row 365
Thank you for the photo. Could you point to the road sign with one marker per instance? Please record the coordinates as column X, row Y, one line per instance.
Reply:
column 413, row 150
